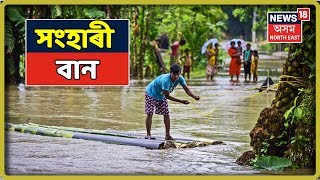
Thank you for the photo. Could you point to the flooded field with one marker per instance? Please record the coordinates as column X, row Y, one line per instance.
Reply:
column 226, row 112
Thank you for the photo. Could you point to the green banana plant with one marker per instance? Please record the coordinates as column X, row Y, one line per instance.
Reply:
column 14, row 39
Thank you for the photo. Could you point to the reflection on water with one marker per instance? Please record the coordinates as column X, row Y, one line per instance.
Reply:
column 226, row 112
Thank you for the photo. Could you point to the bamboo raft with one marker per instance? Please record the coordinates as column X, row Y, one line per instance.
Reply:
column 113, row 137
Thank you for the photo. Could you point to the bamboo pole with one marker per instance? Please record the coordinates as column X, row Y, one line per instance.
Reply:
column 105, row 136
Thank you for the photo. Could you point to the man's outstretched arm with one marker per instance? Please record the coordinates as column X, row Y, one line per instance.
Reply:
column 188, row 91
column 167, row 95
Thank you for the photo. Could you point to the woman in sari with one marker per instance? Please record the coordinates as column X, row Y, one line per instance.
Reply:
column 235, row 63
column 212, row 54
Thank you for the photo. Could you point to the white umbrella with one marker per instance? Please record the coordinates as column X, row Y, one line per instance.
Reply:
column 206, row 44
column 243, row 43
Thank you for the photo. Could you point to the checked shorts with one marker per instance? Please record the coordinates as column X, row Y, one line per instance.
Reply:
column 160, row 106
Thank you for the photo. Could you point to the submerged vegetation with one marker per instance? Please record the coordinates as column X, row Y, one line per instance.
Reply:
column 271, row 163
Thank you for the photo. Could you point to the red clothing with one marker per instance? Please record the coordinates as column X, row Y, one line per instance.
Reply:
column 235, row 63
column 174, row 48
column 186, row 69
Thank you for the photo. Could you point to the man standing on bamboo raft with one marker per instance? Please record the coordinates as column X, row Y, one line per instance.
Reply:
column 157, row 93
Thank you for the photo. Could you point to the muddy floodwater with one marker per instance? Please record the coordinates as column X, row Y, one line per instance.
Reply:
column 226, row 112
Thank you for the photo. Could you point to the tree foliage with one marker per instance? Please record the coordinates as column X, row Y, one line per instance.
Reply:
column 288, row 129
column 196, row 24
column 14, row 40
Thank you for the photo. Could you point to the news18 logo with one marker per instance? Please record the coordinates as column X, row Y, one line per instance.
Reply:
column 286, row 27
column 74, row 52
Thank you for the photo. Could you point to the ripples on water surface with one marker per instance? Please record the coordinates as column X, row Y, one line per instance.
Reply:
column 226, row 112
